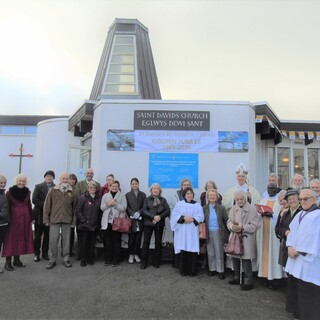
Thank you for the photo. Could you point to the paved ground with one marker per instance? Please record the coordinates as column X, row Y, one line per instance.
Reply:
column 127, row 292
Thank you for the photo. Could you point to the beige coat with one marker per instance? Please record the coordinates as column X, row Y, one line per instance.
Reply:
column 248, row 217
column 119, row 210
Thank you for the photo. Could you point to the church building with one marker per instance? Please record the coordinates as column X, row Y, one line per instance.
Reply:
column 125, row 128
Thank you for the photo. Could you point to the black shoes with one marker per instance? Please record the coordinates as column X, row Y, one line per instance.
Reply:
column 18, row 263
column 246, row 287
column 8, row 266
column 36, row 258
column 45, row 257
column 143, row 266
column 107, row 263
column 221, row 276
column 211, row 273
column 83, row 263
column 234, row 281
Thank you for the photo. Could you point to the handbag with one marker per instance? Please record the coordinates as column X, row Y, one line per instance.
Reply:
column 122, row 225
column 235, row 245
column 202, row 231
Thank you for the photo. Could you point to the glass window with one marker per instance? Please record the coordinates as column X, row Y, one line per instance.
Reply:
column 126, row 88
column 121, row 58
column 121, row 68
column 298, row 161
column 271, row 160
column 117, row 89
column 283, row 167
column 121, row 72
column 12, row 130
column 124, row 40
column 123, row 49
column 120, row 78
column 313, row 164
column 30, row 130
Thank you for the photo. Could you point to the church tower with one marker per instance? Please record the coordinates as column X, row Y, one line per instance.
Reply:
column 126, row 69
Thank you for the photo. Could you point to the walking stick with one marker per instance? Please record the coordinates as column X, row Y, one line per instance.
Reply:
column 241, row 278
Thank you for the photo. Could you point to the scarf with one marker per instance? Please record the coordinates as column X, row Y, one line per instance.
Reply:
column 156, row 201
column 19, row 194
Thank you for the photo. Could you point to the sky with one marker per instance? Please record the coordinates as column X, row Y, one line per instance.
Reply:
column 203, row 50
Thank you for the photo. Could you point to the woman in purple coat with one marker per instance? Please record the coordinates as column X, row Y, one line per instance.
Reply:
column 88, row 222
column 19, row 239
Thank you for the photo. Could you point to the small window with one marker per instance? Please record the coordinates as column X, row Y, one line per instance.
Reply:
column 121, row 58
column 30, row 130
column 121, row 68
column 124, row 40
column 11, row 130
column 123, row 49
column 283, row 167
column 120, row 89
column 298, row 161
column 271, row 160
column 120, row 78
column 313, row 164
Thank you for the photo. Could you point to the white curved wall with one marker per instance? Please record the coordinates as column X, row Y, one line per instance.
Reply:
column 52, row 147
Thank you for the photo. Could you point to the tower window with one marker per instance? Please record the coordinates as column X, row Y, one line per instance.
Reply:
column 121, row 77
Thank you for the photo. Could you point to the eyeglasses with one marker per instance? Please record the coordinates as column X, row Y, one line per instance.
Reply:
column 304, row 199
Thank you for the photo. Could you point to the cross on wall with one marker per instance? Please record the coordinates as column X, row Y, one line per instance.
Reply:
column 20, row 156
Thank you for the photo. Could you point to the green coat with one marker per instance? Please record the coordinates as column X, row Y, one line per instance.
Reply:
column 222, row 217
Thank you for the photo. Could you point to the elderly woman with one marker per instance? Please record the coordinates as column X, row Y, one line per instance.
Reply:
column 203, row 197
column 186, row 216
column 154, row 212
column 88, row 222
column 4, row 212
column 216, row 218
column 113, row 205
column 243, row 218
column 19, row 239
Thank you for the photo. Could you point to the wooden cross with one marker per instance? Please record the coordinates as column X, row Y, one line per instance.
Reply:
column 20, row 155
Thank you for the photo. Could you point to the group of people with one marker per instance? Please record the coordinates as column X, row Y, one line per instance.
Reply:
column 280, row 234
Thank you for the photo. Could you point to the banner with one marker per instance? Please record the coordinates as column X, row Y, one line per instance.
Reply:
column 177, row 141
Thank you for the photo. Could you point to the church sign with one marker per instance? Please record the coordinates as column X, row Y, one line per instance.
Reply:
column 171, row 120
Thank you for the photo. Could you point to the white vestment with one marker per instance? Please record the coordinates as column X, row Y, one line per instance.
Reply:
column 304, row 237
column 228, row 197
column 186, row 235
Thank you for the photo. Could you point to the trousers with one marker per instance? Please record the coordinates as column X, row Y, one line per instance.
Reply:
column 54, row 235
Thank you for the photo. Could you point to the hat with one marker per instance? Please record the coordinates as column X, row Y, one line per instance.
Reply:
column 291, row 192
column 49, row 173
column 241, row 169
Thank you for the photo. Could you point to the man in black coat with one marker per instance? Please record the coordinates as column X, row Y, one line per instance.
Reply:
column 38, row 197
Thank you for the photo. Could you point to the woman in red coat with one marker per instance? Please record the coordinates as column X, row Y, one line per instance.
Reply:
column 19, row 238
